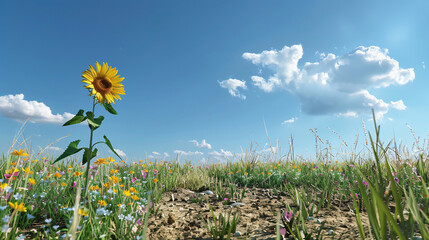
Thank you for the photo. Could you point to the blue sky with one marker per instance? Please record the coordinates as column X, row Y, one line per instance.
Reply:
column 215, row 71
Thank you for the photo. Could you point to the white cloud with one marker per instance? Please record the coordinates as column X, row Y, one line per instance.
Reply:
column 232, row 85
column 120, row 153
column 166, row 154
column 19, row 109
column 423, row 65
column 222, row 153
column 266, row 86
column 54, row 148
column 348, row 114
column 292, row 120
column 335, row 85
column 398, row 105
column 203, row 144
column 189, row 153
column 155, row 153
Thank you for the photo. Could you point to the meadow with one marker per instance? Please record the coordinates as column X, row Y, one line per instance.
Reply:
column 384, row 191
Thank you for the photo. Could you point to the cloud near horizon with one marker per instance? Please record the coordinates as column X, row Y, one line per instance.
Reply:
column 203, row 144
column 19, row 109
column 189, row 153
column 335, row 85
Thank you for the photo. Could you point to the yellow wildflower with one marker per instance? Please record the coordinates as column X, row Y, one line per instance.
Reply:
column 19, row 153
column 20, row 207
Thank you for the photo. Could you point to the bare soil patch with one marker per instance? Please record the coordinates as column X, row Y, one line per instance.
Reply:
column 178, row 217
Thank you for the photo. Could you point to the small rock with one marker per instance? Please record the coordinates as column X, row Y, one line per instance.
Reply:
column 310, row 218
column 237, row 234
column 320, row 221
column 170, row 219
column 237, row 204
column 330, row 232
column 208, row 192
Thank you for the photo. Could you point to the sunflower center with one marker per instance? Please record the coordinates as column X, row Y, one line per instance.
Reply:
column 102, row 85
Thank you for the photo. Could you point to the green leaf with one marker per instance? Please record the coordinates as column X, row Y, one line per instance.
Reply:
column 87, row 156
column 90, row 119
column 71, row 149
column 109, row 108
column 110, row 146
column 78, row 118
column 94, row 123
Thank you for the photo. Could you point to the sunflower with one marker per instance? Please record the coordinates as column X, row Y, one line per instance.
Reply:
column 104, row 83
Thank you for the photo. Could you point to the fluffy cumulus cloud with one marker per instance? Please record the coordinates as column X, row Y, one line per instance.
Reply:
column 292, row 120
column 203, row 144
column 233, row 86
column 19, row 109
column 221, row 154
column 166, row 154
column 335, row 85
column 189, row 153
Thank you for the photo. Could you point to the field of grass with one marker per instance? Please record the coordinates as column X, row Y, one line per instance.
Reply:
column 42, row 200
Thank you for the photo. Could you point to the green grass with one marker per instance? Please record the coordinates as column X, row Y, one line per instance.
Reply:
column 122, row 196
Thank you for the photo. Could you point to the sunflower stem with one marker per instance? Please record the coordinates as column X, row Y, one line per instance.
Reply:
column 88, row 164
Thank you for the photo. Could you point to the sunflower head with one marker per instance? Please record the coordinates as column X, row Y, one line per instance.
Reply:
column 104, row 83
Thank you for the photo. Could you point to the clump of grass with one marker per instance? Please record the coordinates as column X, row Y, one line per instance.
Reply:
column 222, row 225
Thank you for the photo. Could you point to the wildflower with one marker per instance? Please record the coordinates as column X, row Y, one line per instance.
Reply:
column 6, row 218
column 94, row 188
column 32, row 181
column 3, row 186
column 396, row 179
column 57, row 175
column 83, row 212
column 104, row 83
column 102, row 203
column 49, row 220
column 17, row 196
column 63, row 184
column 155, row 180
column 100, row 161
column 134, row 179
column 21, row 237
column 27, row 170
column 288, row 216
column 103, row 211
column 135, row 198
column 113, row 171
column 77, row 173
column 5, row 227
column 20, row 207
column 170, row 171
column 19, row 153
column 114, row 179
column 144, row 173
column 132, row 189
column 131, row 172
column 111, row 159
column 127, row 193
